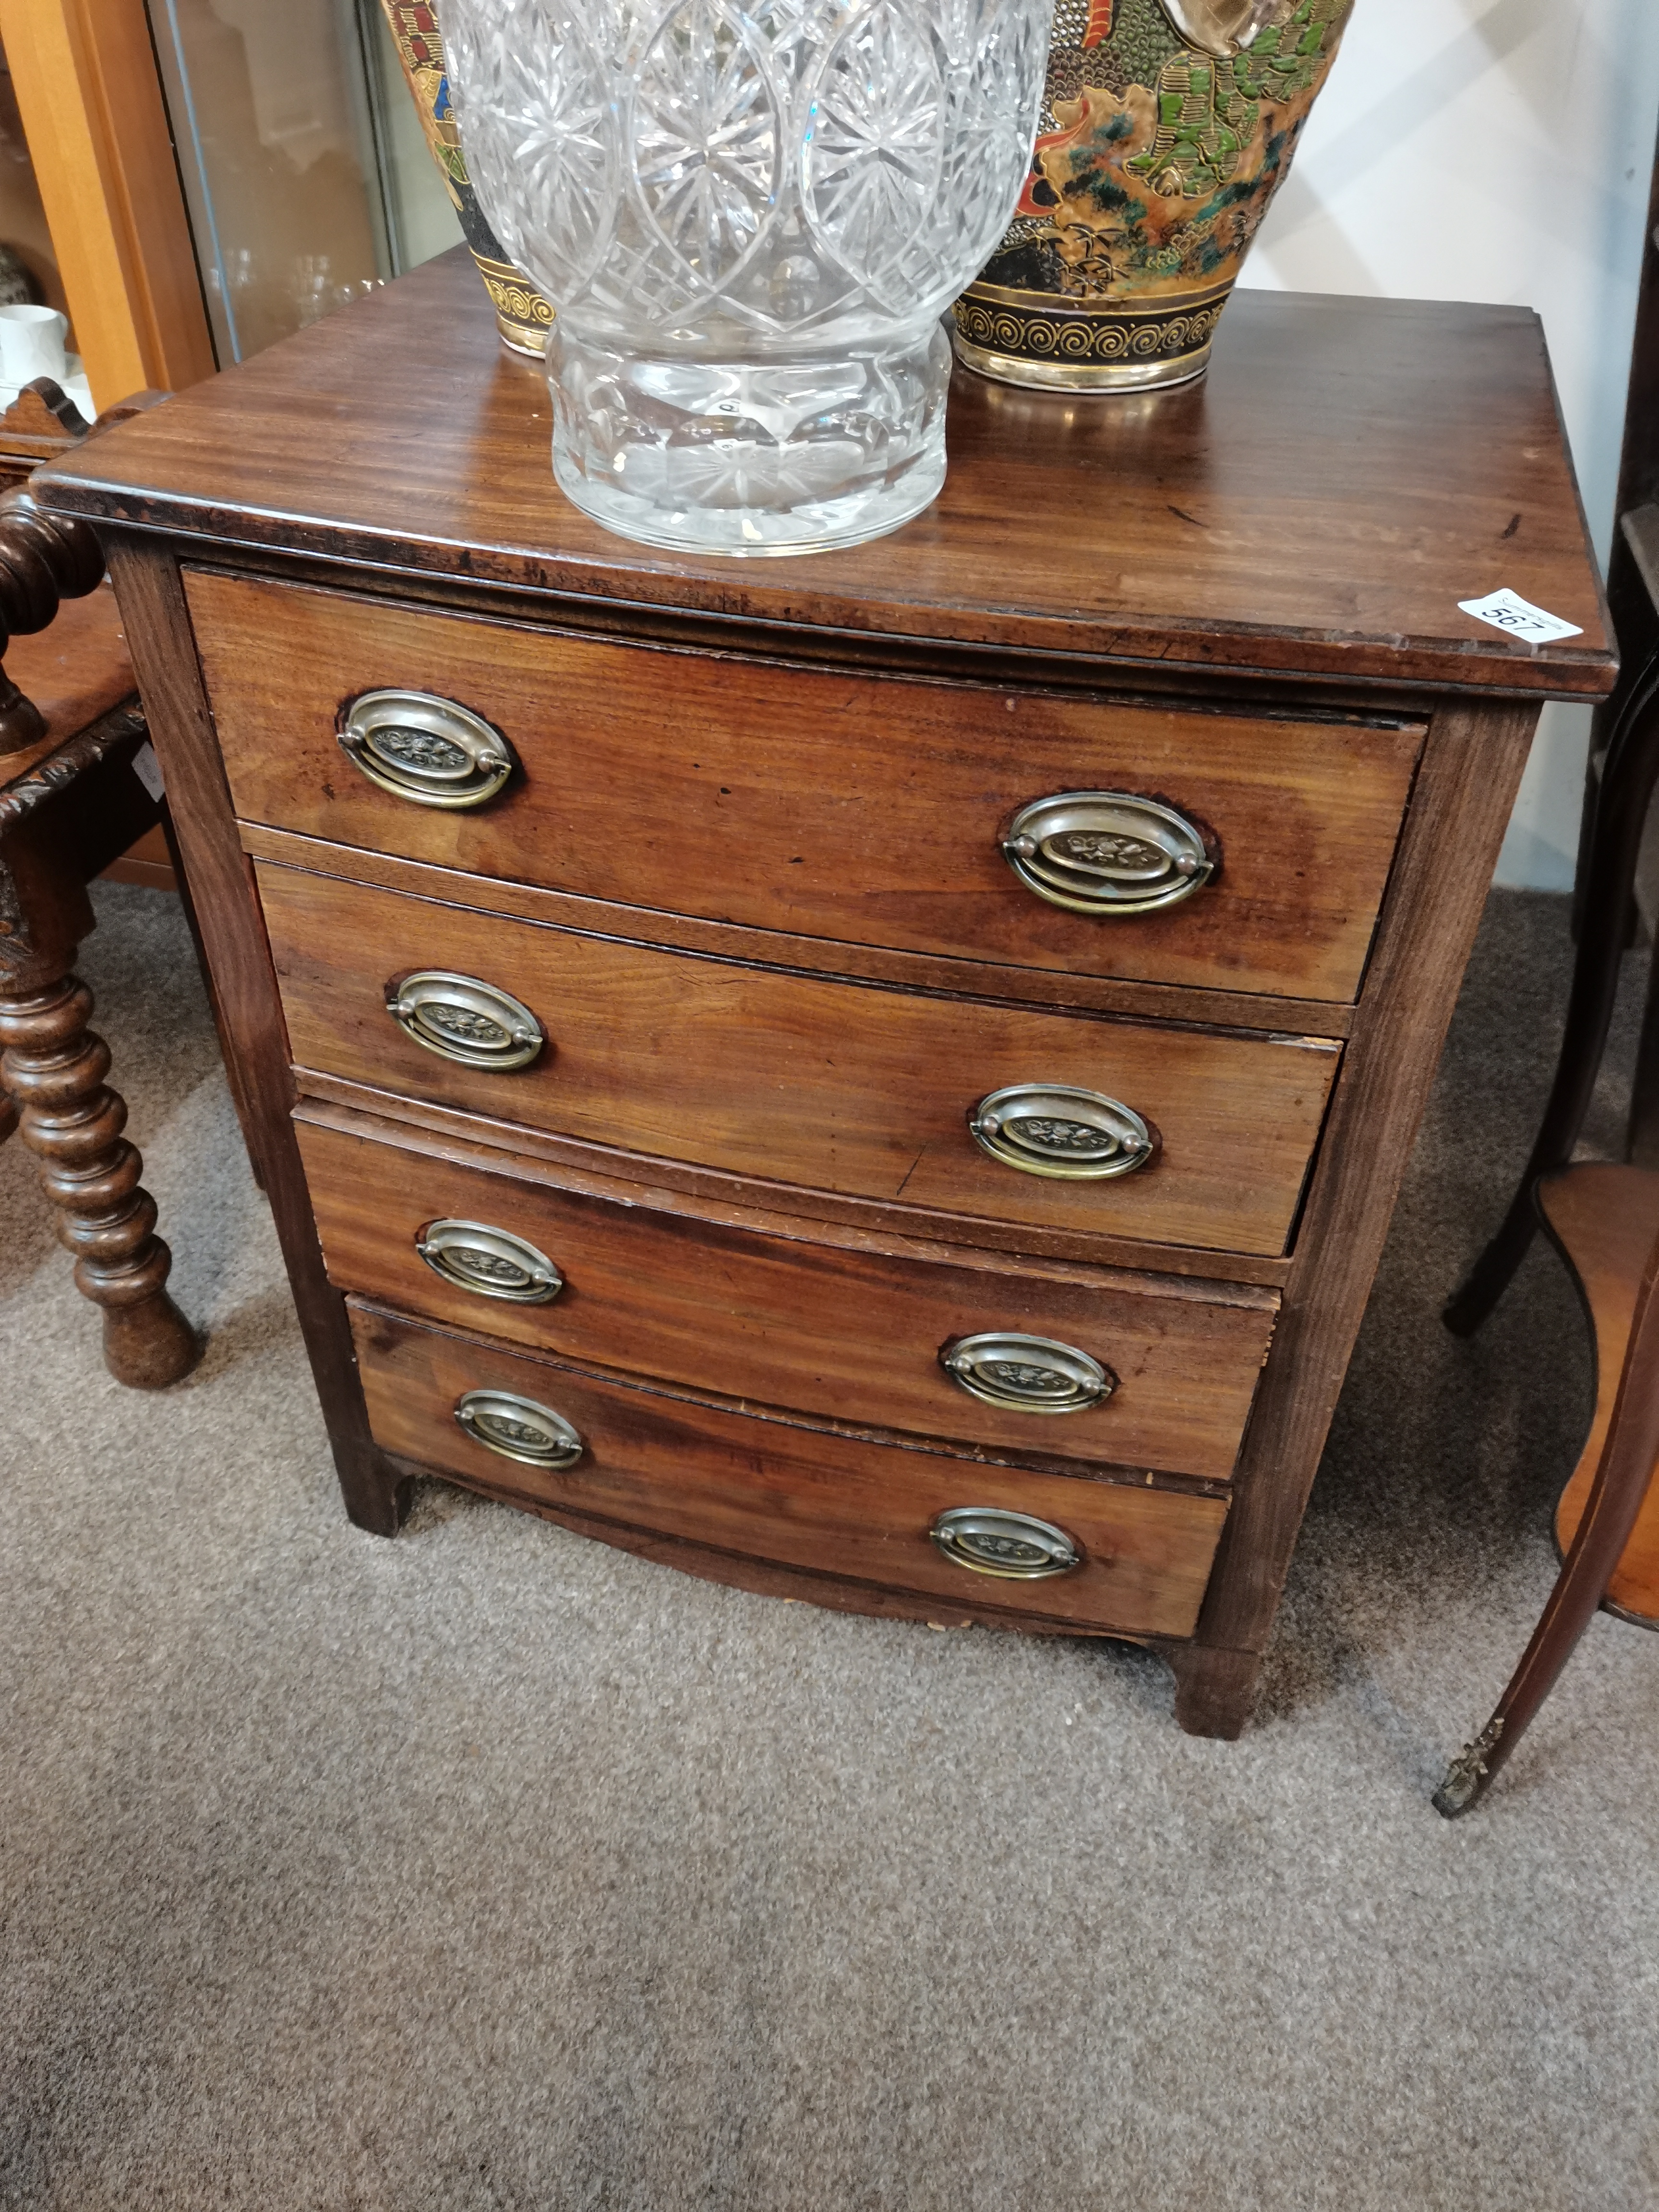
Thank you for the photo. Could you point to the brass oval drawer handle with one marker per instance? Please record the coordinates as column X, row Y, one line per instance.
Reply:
column 1027, row 1374
column 460, row 1018
column 490, row 1262
column 425, row 749
column 1055, row 1129
column 518, row 1428
column 1108, row 853
column 1015, row 1546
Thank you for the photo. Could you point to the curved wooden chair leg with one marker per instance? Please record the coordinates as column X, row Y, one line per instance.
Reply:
column 1628, row 785
column 54, row 1068
column 1622, row 1477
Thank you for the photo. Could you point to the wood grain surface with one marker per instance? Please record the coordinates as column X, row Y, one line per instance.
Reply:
column 802, row 1585
column 1242, row 581
column 819, row 955
column 831, row 1325
column 1459, row 809
column 712, row 1191
column 703, row 1471
column 840, row 806
column 75, row 671
column 246, row 1004
column 826, row 1085
column 1318, row 505
column 1605, row 1219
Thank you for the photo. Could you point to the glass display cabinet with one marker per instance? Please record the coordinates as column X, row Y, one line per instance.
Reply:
column 214, row 174
column 303, row 167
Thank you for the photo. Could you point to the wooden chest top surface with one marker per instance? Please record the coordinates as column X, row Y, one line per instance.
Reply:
column 1348, row 471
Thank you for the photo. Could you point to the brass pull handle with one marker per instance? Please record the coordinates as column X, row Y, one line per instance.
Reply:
column 1108, row 853
column 1055, row 1129
column 425, row 749
column 460, row 1018
column 1017, row 1547
column 490, row 1262
column 1027, row 1374
column 518, row 1428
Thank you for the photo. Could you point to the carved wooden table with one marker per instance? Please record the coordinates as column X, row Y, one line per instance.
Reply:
column 881, row 1078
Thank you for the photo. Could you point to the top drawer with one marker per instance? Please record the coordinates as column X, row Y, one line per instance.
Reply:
column 866, row 810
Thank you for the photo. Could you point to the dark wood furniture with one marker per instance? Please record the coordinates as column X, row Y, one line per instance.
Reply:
column 1633, row 596
column 70, row 802
column 1622, row 772
column 42, row 422
column 634, row 1100
column 1604, row 1220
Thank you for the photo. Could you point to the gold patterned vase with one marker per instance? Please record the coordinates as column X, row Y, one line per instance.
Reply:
column 1167, row 127
column 522, row 315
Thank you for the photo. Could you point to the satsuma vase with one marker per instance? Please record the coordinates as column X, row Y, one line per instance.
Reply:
column 523, row 316
column 1167, row 127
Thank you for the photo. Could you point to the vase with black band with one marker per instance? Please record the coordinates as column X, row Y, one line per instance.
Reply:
column 1167, row 127
column 522, row 314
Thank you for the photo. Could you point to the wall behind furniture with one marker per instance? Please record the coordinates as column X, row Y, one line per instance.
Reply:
column 1494, row 150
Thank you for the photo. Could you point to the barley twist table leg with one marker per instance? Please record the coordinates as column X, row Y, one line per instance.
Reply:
column 54, row 1069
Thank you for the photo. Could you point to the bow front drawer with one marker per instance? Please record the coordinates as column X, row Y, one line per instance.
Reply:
column 1049, row 1360
column 974, row 1110
column 630, row 1460
column 1034, row 829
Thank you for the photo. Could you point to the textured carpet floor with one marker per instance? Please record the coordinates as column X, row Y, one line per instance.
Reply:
column 492, row 1868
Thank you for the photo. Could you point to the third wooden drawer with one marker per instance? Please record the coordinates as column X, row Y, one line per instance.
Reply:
column 788, row 1313
column 799, row 1081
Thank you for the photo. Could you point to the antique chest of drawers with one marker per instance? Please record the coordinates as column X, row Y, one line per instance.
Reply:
column 881, row 1079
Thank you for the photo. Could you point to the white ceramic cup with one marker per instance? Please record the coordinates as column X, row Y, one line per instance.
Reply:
column 32, row 343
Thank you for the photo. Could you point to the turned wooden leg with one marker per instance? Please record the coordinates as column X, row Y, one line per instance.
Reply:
column 54, row 1069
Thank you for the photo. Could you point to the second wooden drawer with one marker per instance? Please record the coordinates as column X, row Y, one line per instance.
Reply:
column 792, row 1315
column 829, row 1086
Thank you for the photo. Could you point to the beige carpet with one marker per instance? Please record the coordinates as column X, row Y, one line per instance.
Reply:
column 491, row 1868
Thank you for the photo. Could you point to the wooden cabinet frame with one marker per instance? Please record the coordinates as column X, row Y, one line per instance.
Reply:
column 90, row 97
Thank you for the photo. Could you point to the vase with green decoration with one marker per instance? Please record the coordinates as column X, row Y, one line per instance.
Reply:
column 1167, row 127
column 523, row 316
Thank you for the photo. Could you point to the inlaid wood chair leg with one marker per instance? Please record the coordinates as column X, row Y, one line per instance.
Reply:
column 1628, row 785
column 54, row 1068
column 1621, row 1483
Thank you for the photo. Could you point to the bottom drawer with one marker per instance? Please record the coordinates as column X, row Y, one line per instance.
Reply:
column 1134, row 1559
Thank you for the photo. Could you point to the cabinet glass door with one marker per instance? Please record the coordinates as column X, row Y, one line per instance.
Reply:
column 304, row 168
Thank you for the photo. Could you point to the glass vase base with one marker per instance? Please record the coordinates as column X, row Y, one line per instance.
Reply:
column 745, row 459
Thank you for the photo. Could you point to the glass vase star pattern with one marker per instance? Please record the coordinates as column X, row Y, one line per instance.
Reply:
column 750, row 219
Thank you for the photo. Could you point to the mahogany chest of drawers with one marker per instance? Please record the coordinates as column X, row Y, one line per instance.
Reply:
column 881, row 1078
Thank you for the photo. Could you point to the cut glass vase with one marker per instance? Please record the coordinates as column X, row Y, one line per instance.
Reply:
column 750, row 219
